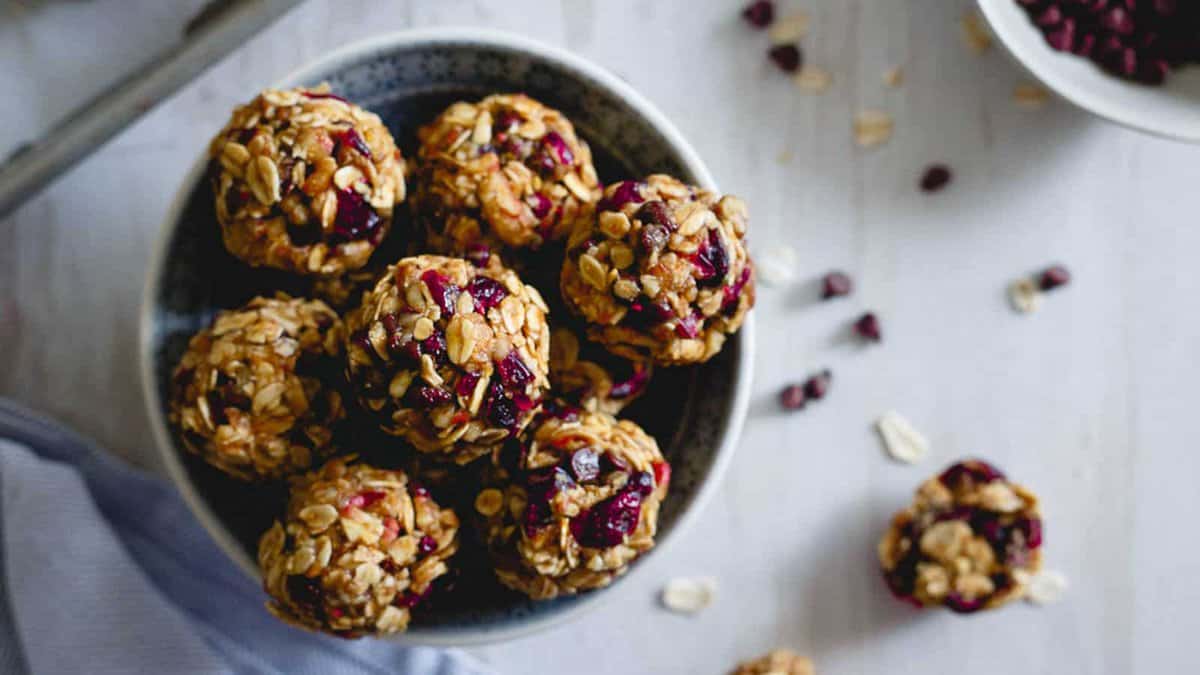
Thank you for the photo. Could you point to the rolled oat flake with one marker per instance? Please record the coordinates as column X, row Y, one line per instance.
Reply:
column 900, row 439
column 1046, row 587
column 689, row 595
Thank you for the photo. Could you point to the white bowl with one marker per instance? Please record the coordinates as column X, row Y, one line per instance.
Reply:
column 1171, row 110
column 407, row 77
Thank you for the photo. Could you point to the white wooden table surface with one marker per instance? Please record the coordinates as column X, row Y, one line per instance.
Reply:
column 1092, row 402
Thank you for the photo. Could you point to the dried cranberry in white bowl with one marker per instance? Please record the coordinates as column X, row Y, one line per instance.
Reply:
column 1167, row 110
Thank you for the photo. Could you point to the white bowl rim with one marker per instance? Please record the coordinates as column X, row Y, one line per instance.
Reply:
column 1075, row 93
column 727, row 444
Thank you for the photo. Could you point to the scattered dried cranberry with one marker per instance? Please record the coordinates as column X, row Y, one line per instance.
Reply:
column 540, row 204
column 585, row 465
column 711, row 260
column 653, row 238
column 868, row 328
column 355, row 218
column 632, row 386
column 558, row 410
column 656, row 212
column 609, row 522
column 787, row 57
column 443, row 292
column 662, row 474
column 641, row 482
column 935, row 178
column 646, row 314
column 759, row 14
column 817, row 386
column 465, row 386
column 793, row 397
column 365, row 499
column 628, row 191
column 561, row 150
column 501, row 411
column 688, row 326
column 479, row 254
column 836, row 284
column 974, row 469
column 513, row 370
column 427, row 545
column 427, row 396
column 1053, row 277
column 352, row 138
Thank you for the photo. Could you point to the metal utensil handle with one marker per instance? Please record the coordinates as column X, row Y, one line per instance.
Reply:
column 221, row 28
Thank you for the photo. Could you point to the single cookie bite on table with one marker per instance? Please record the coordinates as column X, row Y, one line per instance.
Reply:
column 967, row 542
column 357, row 551
column 586, row 375
column 504, row 172
column 450, row 356
column 305, row 182
column 663, row 272
column 255, row 393
column 576, row 506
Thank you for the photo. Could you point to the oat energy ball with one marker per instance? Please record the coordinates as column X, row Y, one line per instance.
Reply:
column 358, row 549
column 580, row 505
column 586, row 375
column 305, row 182
column 967, row 542
column 452, row 357
column 506, row 171
column 251, row 395
column 663, row 274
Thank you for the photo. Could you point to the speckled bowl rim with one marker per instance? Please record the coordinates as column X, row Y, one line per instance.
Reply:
column 408, row 39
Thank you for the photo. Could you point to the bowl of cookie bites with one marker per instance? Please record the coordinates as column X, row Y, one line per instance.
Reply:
column 444, row 334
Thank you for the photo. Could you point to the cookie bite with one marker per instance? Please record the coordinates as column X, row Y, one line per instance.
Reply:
column 586, row 375
column 255, row 394
column 663, row 273
column 574, row 505
column 305, row 182
column 967, row 542
column 449, row 356
column 506, row 172
column 357, row 551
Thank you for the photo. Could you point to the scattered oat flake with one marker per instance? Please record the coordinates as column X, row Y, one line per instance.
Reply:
column 894, row 76
column 789, row 29
column 975, row 34
column 778, row 662
column 902, row 441
column 1030, row 96
column 689, row 595
column 872, row 128
column 1046, row 587
column 1025, row 295
column 776, row 266
column 813, row 79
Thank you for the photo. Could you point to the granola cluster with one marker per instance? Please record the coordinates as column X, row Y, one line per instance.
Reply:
column 967, row 542
column 358, row 549
column 450, row 356
column 584, row 374
column 576, row 507
column 504, row 172
column 663, row 273
column 252, row 394
column 305, row 182
column 778, row 662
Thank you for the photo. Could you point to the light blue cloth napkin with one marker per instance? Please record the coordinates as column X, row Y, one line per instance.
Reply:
column 104, row 570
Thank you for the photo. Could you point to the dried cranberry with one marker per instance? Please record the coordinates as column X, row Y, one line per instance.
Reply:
column 1032, row 529
column 641, row 482
column 625, row 192
column 732, row 294
column 365, row 499
column 792, row 397
column 836, row 284
column 760, row 13
column 435, row 346
column 540, row 204
column 585, row 464
column 787, row 57
column 486, row 292
column 867, row 327
column 513, row 370
column 935, row 178
column 611, row 521
column 688, row 326
column 355, row 219
column 501, row 411
column 632, row 386
column 427, row 545
column 1053, row 277
column 662, row 474
column 976, row 470
column 648, row 314
column 711, row 260
column 656, row 212
column 465, row 387
column 306, row 593
column 325, row 94
column 479, row 254
column 562, row 151
column 506, row 120
column 443, row 292
column 817, row 386
column 559, row 410
column 351, row 137
column 963, row 605
column 427, row 396
column 653, row 238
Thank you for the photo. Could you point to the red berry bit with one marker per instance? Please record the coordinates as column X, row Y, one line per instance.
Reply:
column 792, row 397
column 867, row 327
column 789, row 58
column 759, row 14
column 1053, row 277
column 817, row 386
column 935, row 178
column 835, row 285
